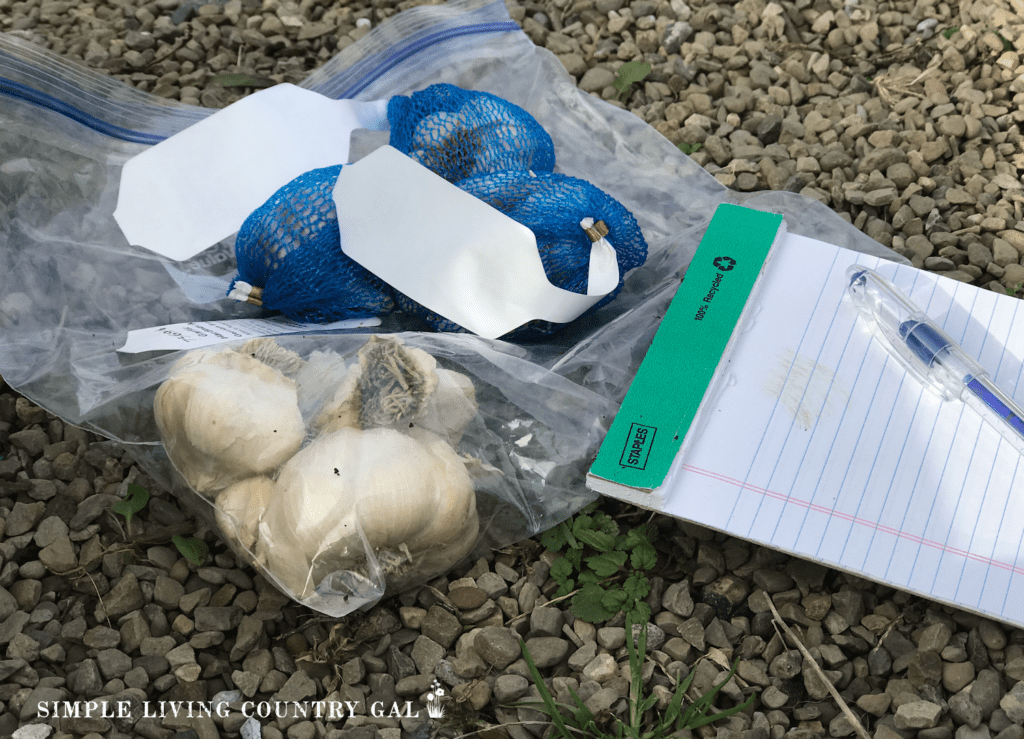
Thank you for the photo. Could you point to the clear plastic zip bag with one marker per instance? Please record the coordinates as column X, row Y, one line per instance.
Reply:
column 72, row 288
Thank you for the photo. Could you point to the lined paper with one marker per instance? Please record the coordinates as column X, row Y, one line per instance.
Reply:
column 822, row 445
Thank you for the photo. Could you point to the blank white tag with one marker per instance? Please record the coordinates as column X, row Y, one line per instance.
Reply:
column 452, row 252
column 197, row 187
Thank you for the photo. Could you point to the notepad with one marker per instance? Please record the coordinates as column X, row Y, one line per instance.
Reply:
column 820, row 444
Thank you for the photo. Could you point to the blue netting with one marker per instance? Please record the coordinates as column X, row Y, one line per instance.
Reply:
column 552, row 206
column 290, row 246
column 460, row 133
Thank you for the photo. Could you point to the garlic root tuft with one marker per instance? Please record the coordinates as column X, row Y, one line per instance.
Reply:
column 273, row 355
column 395, row 386
column 394, row 383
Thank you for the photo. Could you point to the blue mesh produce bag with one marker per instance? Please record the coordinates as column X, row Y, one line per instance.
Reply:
column 492, row 149
column 290, row 248
column 460, row 133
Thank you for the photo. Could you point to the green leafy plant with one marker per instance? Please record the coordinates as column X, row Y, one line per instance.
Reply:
column 582, row 721
column 1015, row 290
column 948, row 33
column 134, row 501
column 690, row 148
column 628, row 74
column 194, row 550
column 606, row 568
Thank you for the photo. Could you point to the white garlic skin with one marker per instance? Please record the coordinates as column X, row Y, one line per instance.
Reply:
column 225, row 416
column 404, row 491
column 238, row 511
column 342, row 410
column 450, row 408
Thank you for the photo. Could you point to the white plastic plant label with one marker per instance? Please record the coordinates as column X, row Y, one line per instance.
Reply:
column 197, row 187
column 452, row 252
column 197, row 334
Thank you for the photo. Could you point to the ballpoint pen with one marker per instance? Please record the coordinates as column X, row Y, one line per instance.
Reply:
column 929, row 354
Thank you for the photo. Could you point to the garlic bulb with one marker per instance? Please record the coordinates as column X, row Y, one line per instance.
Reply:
column 238, row 511
column 225, row 416
column 400, row 387
column 410, row 497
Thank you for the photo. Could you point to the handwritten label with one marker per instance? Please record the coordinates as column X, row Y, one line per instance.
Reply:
column 197, row 334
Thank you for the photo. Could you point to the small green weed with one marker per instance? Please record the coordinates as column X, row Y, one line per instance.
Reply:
column 948, row 33
column 1015, row 290
column 628, row 74
column 133, row 502
column 583, row 722
column 608, row 567
column 194, row 550
column 690, row 148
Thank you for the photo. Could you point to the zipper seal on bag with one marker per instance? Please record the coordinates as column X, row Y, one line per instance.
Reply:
column 42, row 100
column 401, row 54
column 379, row 64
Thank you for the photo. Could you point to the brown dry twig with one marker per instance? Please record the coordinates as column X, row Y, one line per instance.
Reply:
column 890, row 86
column 850, row 715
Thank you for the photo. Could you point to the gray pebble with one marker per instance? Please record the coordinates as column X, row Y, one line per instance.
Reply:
column 426, row 653
column 510, row 688
column 224, row 618
column 497, row 646
column 547, row 651
column 24, row 517
column 441, row 626
column 32, row 441
column 917, row 715
column 101, row 637
column 492, row 584
column 677, row 599
column 113, row 663
column 611, row 637
column 582, row 656
column 546, row 621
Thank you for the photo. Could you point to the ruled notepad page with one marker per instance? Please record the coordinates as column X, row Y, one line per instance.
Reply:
column 822, row 445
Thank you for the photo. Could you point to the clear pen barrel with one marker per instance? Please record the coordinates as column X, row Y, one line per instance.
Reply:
column 924, row 348
column 947, row 363
column 927, row 352
column 998, row 408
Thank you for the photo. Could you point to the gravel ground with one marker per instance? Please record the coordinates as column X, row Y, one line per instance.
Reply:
column 902, row 116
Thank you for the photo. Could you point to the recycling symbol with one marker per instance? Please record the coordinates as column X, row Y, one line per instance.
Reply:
column 724, row 264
